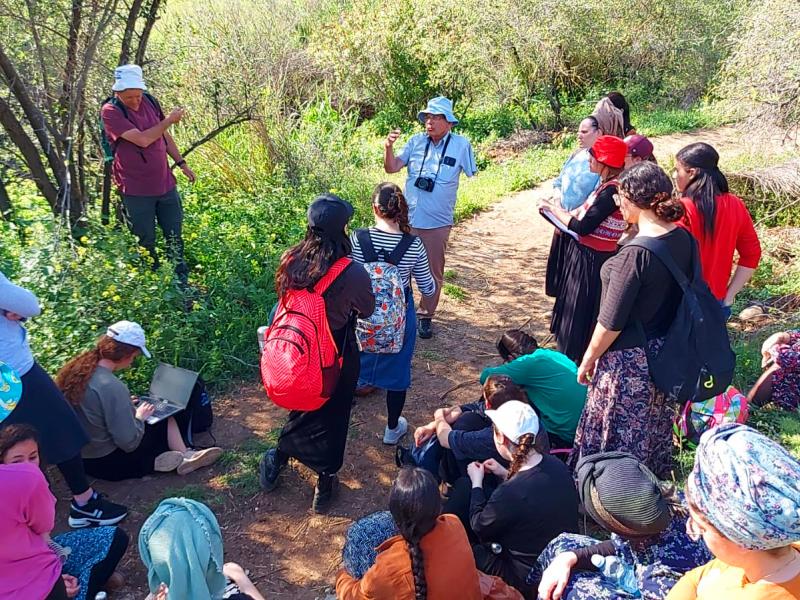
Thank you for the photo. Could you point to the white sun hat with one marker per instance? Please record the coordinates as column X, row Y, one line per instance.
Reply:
column 514, row 419
column 128, row 77
column 128, row 332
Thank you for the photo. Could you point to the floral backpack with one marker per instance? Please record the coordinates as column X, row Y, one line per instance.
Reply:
column 698, row 417
column 384, row 331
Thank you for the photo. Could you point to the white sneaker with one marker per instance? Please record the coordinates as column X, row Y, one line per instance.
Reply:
column 196, row 459
column 392, row 436
column 168, row 461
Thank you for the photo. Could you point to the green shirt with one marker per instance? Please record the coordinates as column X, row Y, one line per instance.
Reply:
column 550, row 380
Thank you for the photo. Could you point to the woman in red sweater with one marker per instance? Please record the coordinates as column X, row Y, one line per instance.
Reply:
column 718, row 220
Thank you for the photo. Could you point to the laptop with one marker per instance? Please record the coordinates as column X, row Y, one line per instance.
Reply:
column 170, row 391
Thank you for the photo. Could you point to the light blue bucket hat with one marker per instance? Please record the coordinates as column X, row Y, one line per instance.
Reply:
column 438, row 106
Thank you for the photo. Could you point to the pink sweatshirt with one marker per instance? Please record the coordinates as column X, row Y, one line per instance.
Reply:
column 28, row 568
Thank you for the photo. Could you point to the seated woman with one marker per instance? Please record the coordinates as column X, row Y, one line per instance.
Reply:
column 88, row 556
column 640, row 149
column 550, row 382
column 431, row 557
column 463, row 434
column 648, row 535
column 744, row 502
column 780, row 382
column 181, row 547
column 121, row 445
column 535, row 502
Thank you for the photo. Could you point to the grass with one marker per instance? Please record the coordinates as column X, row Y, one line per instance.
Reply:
column 450, row 275
column 456, row 292
column 241, row 465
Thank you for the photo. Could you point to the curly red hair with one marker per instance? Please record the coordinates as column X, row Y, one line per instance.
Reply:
column 74, row 376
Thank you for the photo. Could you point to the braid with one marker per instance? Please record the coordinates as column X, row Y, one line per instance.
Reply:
column 524, row 447
column 418, row 570
column 402, row 212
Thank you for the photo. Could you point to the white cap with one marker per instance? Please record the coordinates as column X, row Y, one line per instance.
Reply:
column 128, row 77
column 128, row 332
column 514, row 419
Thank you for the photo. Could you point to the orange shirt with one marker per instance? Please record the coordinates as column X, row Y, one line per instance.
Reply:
column 717, row 581
column 450, row 570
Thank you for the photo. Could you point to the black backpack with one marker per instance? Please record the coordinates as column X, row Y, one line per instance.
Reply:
column 109, row 147
column 201, row 413
column 696, row 361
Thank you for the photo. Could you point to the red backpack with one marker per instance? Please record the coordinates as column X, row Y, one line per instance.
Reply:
column 300, row 364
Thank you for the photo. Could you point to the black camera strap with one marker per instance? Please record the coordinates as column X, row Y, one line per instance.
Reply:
column 425, row 155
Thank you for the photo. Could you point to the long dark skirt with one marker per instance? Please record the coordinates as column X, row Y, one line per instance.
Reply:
column 44, row 407
column 554, row 275
column 624, row 411
column 317, row 438
column 578, row 301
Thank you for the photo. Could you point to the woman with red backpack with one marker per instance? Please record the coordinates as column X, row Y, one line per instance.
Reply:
column 317, row 266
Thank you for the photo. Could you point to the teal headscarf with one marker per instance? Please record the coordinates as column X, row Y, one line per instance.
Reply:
column 181, row 545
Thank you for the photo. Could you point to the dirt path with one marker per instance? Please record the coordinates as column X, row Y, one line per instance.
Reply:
column 496, row 267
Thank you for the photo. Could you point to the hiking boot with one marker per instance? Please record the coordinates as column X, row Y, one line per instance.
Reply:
column 269, row 470
column 197, row 459
column 98, row 511
column 392, row 436
column 324, row 493
column 425, row 329
column 168, row 461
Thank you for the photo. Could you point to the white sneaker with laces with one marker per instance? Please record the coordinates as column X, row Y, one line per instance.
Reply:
column 392, row 436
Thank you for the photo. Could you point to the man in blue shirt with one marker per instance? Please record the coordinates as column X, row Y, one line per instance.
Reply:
column 434, row 162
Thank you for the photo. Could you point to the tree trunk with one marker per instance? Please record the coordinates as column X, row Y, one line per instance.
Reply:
column 30, row 153
column 105, row 206
column 130, row 29
column 150, row 20
column 5, row 202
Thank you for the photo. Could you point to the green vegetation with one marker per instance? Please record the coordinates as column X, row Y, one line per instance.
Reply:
column 456, row 292
column 316, row 86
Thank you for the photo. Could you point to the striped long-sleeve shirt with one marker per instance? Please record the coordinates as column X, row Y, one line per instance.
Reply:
column 414, row 261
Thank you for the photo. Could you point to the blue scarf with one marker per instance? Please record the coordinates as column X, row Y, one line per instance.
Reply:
column 181, row 545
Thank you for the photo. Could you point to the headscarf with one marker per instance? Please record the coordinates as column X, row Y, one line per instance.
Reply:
column 362, row 540
column 747, row 486
column 181, row 545
column 609, row 118
column 622, row 495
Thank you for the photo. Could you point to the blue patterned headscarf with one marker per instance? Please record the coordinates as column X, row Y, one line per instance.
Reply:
column 362, row 540
column 747, row 486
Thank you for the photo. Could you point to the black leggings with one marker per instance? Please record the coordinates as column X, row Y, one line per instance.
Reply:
column 395, row 400
column 121, row 465
column 104, row 569
column 74, row 474
column 59, row 591
column 100, row 572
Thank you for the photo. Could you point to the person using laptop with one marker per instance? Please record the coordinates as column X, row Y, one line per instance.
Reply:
column 122, row 445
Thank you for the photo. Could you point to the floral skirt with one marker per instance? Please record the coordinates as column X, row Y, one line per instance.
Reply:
column 583, row 585
column 624, row 411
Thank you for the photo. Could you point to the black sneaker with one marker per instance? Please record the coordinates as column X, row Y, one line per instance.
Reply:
column 324, row 493
column 403, row 457
column 98, row 511
column 269, row 470
column 425, row 329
